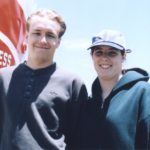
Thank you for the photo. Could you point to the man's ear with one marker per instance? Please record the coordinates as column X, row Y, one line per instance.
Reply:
column 24, row 45
column 25, row 42
column 26, row 36
column 58, row 42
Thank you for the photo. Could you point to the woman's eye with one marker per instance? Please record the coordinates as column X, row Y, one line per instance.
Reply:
column 112, row 54
column 99, row 53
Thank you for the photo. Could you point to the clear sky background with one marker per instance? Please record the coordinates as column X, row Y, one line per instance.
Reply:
column 85, row 18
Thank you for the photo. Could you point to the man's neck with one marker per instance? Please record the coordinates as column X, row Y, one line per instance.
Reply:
column 37, row 64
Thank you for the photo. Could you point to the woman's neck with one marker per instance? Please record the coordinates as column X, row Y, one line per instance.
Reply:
column 107, row 85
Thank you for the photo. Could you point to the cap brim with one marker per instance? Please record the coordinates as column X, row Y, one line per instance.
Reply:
column 107, row 44
column 128, row 50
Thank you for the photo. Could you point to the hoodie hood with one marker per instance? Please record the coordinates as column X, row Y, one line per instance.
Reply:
column 130, row 77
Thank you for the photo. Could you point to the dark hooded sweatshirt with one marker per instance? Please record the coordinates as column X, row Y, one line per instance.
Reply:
column 38, row 107
column 123, row 121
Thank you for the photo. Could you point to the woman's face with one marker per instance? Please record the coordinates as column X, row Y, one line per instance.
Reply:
column 107, row 62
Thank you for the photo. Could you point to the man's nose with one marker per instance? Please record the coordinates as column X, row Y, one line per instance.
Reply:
column 43, row 39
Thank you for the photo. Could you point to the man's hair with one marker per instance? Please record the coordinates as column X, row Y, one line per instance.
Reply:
column 52, row 15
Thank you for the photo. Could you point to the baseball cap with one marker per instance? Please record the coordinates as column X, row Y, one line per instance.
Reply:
column 111, row 38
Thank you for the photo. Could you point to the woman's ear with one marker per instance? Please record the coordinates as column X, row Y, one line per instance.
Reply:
column 124, row 57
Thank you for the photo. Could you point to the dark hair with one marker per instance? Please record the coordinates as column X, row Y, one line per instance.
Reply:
column 122, row 51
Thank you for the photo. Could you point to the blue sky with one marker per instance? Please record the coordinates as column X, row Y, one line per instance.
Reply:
column 85, row 18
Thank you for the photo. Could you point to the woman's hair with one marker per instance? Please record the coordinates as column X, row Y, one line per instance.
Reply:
column 121, row 51
column 50, row 14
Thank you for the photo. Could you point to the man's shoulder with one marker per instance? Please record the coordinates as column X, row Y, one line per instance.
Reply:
column 5, row 76
column 67, row 74
column 7, row 70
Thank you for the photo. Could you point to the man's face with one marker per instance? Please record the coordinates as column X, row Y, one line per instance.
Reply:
column 42, row 39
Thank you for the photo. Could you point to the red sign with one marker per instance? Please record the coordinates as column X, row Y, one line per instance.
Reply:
column 12, row 32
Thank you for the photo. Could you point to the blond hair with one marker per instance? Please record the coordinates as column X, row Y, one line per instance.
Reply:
column 52, row 15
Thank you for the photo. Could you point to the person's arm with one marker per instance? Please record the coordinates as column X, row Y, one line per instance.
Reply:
column 43, row 138
column 74, row 115
column 1, row 106
column 143, row 134
column 143, row 124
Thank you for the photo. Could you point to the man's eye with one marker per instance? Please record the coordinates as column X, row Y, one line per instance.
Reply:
column 36, row 33
column 51, row 36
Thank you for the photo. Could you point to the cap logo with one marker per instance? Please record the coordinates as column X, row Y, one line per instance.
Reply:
column 96, row 39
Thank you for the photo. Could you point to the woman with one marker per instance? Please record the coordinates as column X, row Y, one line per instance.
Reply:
column 117, row 115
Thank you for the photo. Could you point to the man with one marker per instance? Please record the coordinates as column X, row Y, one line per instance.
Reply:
column 41, row 102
